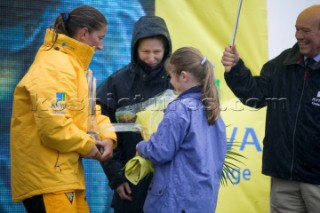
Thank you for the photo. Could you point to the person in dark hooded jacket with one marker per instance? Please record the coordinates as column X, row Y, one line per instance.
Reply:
column 119, row 96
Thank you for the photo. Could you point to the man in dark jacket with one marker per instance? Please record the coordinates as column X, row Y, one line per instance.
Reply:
column 120, row 97
column 289, row 85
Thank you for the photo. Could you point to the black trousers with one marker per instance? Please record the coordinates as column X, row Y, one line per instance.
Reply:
column 34, row 204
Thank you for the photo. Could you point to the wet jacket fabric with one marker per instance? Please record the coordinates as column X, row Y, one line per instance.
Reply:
column 124, row 90
column 291, row 92
column 49, row 120
column 188, row 156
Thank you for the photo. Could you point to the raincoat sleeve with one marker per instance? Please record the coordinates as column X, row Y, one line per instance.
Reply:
column 251, row 90
column 166, row 141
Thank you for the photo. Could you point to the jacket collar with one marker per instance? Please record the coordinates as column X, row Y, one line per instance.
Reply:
column 81, row 51
column 195, row 92
column 294, row 57
column 316, row 58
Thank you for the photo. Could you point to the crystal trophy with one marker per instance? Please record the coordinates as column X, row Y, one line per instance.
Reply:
column 92, row 120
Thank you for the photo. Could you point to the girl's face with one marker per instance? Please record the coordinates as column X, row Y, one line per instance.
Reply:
column 183, row 81
column 151, row 51
column 95, row 38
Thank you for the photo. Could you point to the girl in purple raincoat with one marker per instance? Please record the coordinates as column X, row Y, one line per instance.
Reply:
column 188, row 150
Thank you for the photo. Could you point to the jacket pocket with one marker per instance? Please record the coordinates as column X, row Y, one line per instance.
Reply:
column 67, row 162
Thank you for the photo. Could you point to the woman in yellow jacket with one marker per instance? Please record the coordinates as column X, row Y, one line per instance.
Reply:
column 50, row 114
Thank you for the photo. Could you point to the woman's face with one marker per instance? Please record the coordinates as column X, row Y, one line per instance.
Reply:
column 95, row 38
column 151, row 51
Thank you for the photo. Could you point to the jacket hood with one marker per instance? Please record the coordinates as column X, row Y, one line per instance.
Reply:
column 148, row 26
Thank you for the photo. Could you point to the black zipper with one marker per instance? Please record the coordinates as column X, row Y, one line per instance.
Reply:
column 305, row 78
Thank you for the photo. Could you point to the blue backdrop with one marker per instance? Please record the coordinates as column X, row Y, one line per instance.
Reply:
column 22, row 25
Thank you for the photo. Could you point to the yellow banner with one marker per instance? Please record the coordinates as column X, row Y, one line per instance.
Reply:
column 208, row 25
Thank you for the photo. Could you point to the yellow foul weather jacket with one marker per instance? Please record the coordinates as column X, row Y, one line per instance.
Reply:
column 49, row 120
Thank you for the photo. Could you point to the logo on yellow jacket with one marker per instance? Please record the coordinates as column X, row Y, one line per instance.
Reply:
column 60, row 105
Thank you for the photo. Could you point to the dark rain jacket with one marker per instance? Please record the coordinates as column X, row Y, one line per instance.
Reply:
column 120, row 96
column 291, row 92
